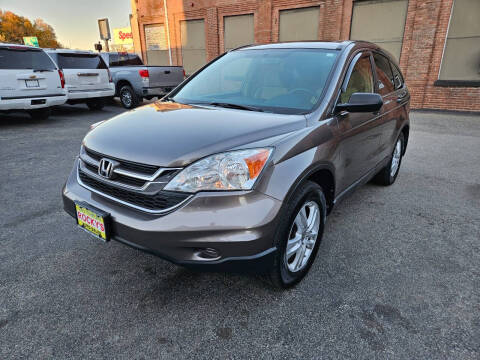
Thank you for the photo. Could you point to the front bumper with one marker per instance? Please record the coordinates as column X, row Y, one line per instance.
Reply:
column 240, row 226
column 30, row 103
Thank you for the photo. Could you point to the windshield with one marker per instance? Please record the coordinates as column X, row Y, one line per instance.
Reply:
column 287, row 81
column 21, row 58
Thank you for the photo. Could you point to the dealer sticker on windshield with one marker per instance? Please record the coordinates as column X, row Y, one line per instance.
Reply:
column 93, row 221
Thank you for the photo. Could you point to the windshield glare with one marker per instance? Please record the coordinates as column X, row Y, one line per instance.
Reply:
column 276, row 80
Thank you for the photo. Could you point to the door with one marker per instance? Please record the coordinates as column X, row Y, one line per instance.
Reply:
column 27, row 72
column 360, row 132
column 238, row 31
column 194, row 55
column 385, row 86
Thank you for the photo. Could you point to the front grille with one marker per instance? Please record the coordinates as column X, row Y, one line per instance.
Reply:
column 160, row 201
column 126, row 165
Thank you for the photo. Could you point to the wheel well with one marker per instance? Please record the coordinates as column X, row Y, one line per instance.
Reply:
column 325, row 179
column 119, row 86
column 406, row 132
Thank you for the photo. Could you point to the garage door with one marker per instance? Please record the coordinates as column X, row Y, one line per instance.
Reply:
column 156, row 44
column 299, row 24
column 381, row 22
column 194, row 54
column 238, row 31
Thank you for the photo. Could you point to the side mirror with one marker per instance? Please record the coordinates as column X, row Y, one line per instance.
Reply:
column 362, row 102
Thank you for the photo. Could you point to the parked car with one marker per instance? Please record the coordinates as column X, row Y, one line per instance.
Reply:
column 135, row 81
column 29, row 81
column 87, row 78
column 239, row 166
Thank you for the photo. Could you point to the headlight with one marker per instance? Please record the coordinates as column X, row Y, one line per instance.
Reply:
column 235, row 170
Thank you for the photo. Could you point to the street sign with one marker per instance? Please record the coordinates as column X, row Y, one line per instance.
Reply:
column 104, row 29
column 30, row 40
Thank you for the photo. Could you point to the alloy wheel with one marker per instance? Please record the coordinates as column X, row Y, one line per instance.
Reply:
column 397, row 154
column 303, row 236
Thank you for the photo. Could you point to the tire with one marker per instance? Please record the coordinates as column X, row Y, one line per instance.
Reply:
column 389, row 173
column 289, row 270
column 40, row 114
column 128, row 98
column 96, row 104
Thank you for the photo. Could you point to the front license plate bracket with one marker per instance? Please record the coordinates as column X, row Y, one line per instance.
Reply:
column 94, row 221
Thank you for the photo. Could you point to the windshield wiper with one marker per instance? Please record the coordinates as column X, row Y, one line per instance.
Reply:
column 234, row 106
column 41, row 70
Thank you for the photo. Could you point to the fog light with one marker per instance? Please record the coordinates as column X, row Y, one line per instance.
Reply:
column 208, row 253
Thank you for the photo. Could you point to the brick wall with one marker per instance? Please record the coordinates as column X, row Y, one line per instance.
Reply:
column 423, row 43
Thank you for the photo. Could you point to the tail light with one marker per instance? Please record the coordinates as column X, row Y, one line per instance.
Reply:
column 62, row 78
column 109, row 76
column 184, row 74
column 144, row 73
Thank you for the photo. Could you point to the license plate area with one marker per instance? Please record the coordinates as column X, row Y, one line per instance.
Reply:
column 32, row 83
column 94, row 221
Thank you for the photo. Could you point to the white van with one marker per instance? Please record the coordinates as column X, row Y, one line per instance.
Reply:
column 87, row 78
column 29, row 80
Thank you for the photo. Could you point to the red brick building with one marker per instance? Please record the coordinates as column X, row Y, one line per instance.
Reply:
column 437, row 42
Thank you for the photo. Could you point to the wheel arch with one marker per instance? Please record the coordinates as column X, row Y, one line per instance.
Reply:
column 120, row 84
column 322, row 174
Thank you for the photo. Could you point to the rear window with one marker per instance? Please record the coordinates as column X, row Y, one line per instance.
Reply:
column 125, row 60
column 24, row 58
column 80, row 61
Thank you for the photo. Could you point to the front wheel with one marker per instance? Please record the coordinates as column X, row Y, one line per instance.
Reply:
column 389, row 173
column 299, row 235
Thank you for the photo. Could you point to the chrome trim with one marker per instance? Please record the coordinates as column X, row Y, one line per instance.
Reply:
column 84, row 157
column 129, row 204
column 111, row 182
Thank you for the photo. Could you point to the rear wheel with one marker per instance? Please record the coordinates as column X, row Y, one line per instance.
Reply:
column 389, row 173
column 299, row 235
column 40, row 114
column 128, row 98
column 96, row 104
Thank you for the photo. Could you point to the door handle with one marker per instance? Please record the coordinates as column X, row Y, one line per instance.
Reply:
column 166, row 72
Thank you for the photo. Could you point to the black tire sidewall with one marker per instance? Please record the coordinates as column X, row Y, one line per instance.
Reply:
column 306, row 192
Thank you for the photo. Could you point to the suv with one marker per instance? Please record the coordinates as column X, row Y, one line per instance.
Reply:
column 239, row 166
column 87, row 77
column 29, row 80
column 135, row 81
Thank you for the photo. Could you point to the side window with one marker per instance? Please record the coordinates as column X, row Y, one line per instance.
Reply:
column 384, row 75
column 113, row 59
column 361, row 79
column 397, row 77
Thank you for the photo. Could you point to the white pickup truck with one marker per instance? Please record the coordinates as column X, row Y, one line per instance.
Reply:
column 87, row 78
column 29, row 81
column 135, row 81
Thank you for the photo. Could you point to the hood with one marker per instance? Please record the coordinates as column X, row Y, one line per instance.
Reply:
column 174, row 135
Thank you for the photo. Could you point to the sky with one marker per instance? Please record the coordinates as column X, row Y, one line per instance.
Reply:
column 74, row 21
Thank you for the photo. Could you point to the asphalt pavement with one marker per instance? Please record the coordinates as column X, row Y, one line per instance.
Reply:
column 397, row 275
